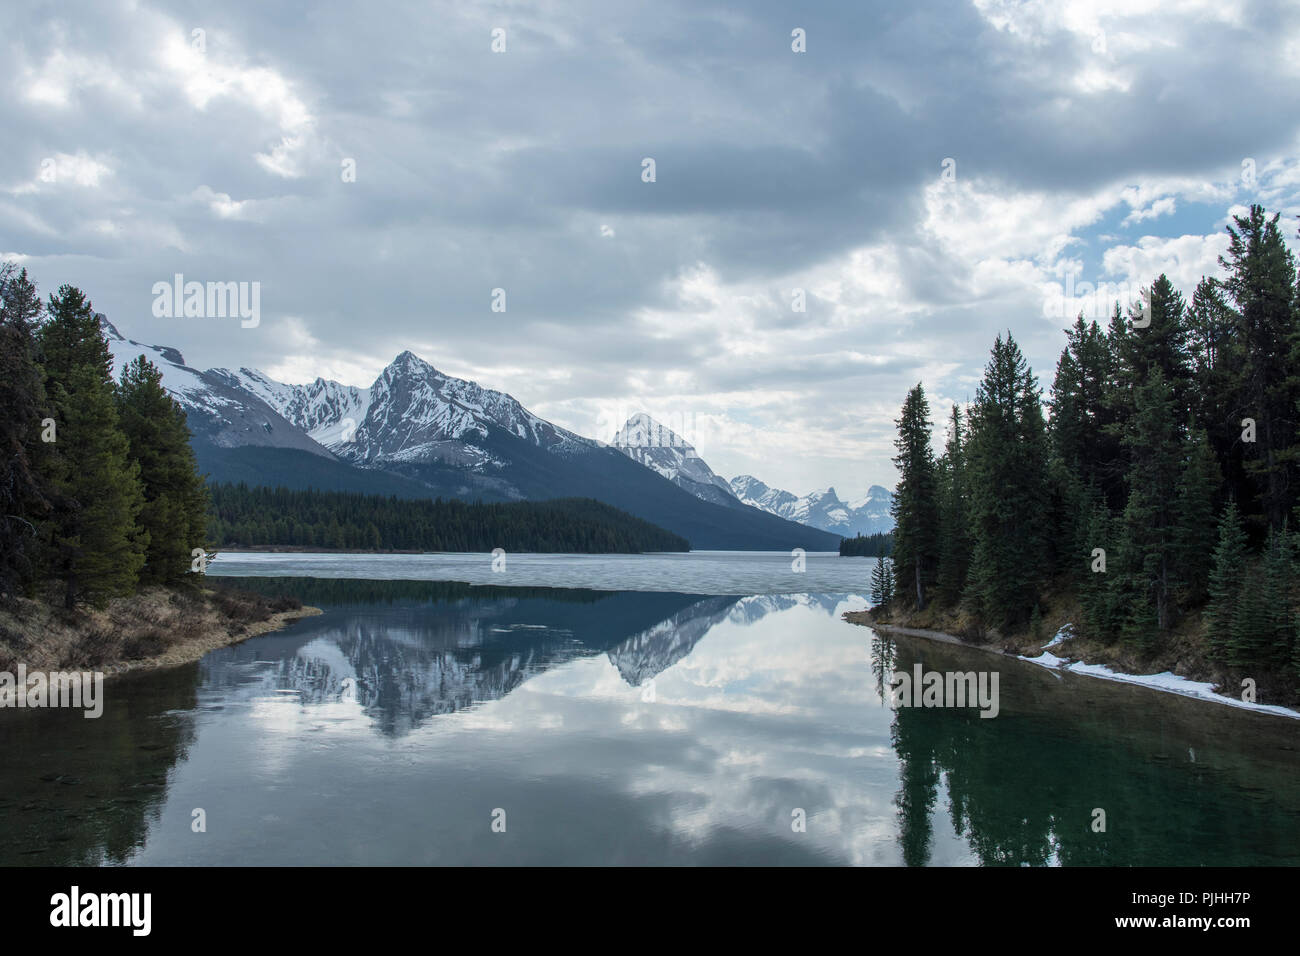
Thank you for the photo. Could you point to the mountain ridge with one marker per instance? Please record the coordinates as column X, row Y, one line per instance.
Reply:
column 421, row 433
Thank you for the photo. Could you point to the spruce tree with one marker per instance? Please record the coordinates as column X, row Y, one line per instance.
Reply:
column 1261, row 628
column 1007, row 455
column 1150, row 516
column 1096, row 594
column 1195, row 536
column 94, row 546
column 175, row 498
column 878, row 580
column 916, row 506
column 1262, row 284
column 954, row 534
column 1215, row 363
column 23, row 499
column 1225, row 584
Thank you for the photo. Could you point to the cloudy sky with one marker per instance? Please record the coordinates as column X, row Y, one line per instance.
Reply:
column 927, row 173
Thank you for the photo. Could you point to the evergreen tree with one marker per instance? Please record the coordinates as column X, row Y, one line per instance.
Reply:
column 954, row 519
column 1195, row 536
column 878, row 581
column 23, row 500
column 1262, row 284
column 1213, row 353
column 175, row 498
column 1156, row 340
column 1150, row 517
column 916, row 506
column 93, row 544
column 1096, row 595
column 1261, row 628
column 1225, row 585
column 1007, row 455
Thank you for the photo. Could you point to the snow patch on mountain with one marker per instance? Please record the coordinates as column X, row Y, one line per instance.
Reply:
column 220, row 411
column 659, row 448
column 822, row 509
column 328, row 411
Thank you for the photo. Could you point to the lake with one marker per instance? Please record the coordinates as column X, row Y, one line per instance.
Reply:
column 729, row 718
column 709, row 572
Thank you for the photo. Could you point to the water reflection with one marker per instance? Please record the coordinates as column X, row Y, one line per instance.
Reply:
column 388, row 729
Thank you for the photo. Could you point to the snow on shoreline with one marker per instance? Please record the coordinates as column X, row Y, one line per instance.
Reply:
column 1166, row 681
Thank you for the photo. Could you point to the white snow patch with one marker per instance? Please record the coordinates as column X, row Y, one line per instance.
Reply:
column 1167, row 681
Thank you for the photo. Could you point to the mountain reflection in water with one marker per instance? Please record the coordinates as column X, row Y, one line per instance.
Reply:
column 628, row 727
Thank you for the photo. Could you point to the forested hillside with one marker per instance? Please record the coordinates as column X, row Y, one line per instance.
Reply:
column 1157, row 483
column 867, row 545
column 249, row 517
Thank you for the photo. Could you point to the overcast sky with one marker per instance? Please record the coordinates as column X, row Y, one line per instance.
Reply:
column 922, row 171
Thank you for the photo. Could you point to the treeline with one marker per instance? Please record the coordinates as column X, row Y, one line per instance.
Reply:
column 241, row 516
column 99, row 493
column 867, row 545
column 1159, row 478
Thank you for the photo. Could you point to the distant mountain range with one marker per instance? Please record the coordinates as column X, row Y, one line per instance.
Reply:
column 821, row 509
column 417, row 433
column 644, row 440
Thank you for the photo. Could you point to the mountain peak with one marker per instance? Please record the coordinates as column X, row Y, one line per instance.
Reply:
column 642, row 431
column 110, row 330
column 408, row 361
column 822, row 509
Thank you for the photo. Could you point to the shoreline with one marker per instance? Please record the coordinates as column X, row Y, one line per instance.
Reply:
column 195, row 648
column 1164, row 682
column 155, row 628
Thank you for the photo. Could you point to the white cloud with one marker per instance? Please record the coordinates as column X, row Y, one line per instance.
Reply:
column 1184, row 259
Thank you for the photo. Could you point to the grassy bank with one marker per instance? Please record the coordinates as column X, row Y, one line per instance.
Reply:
column 157, row 627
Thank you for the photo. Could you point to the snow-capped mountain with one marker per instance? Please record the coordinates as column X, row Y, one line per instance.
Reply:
column 327, row 411
column 645, row 440
column 820, row 509
column 218, row 411
column 417, row 432
column 416, row 413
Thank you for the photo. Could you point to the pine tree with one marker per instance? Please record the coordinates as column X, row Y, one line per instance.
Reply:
column 954, row 534
column 1150, row 516
column 1007, row 454
column 175, row 499
column 23, row 499
column 916, row 506
column 878, row 581
column 1083, row 437
column 1096, row 595
column 94, row 546
column 1261, row 282
column 1213, row 359
column 1156, row 340
column 1261, row 629
column 1225, row 585
column 1195, row 536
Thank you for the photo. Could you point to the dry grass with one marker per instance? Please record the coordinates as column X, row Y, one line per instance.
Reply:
column 157, row 627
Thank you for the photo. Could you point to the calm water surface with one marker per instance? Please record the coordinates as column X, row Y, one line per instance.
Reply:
column 707, row 572
column 628, row 726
